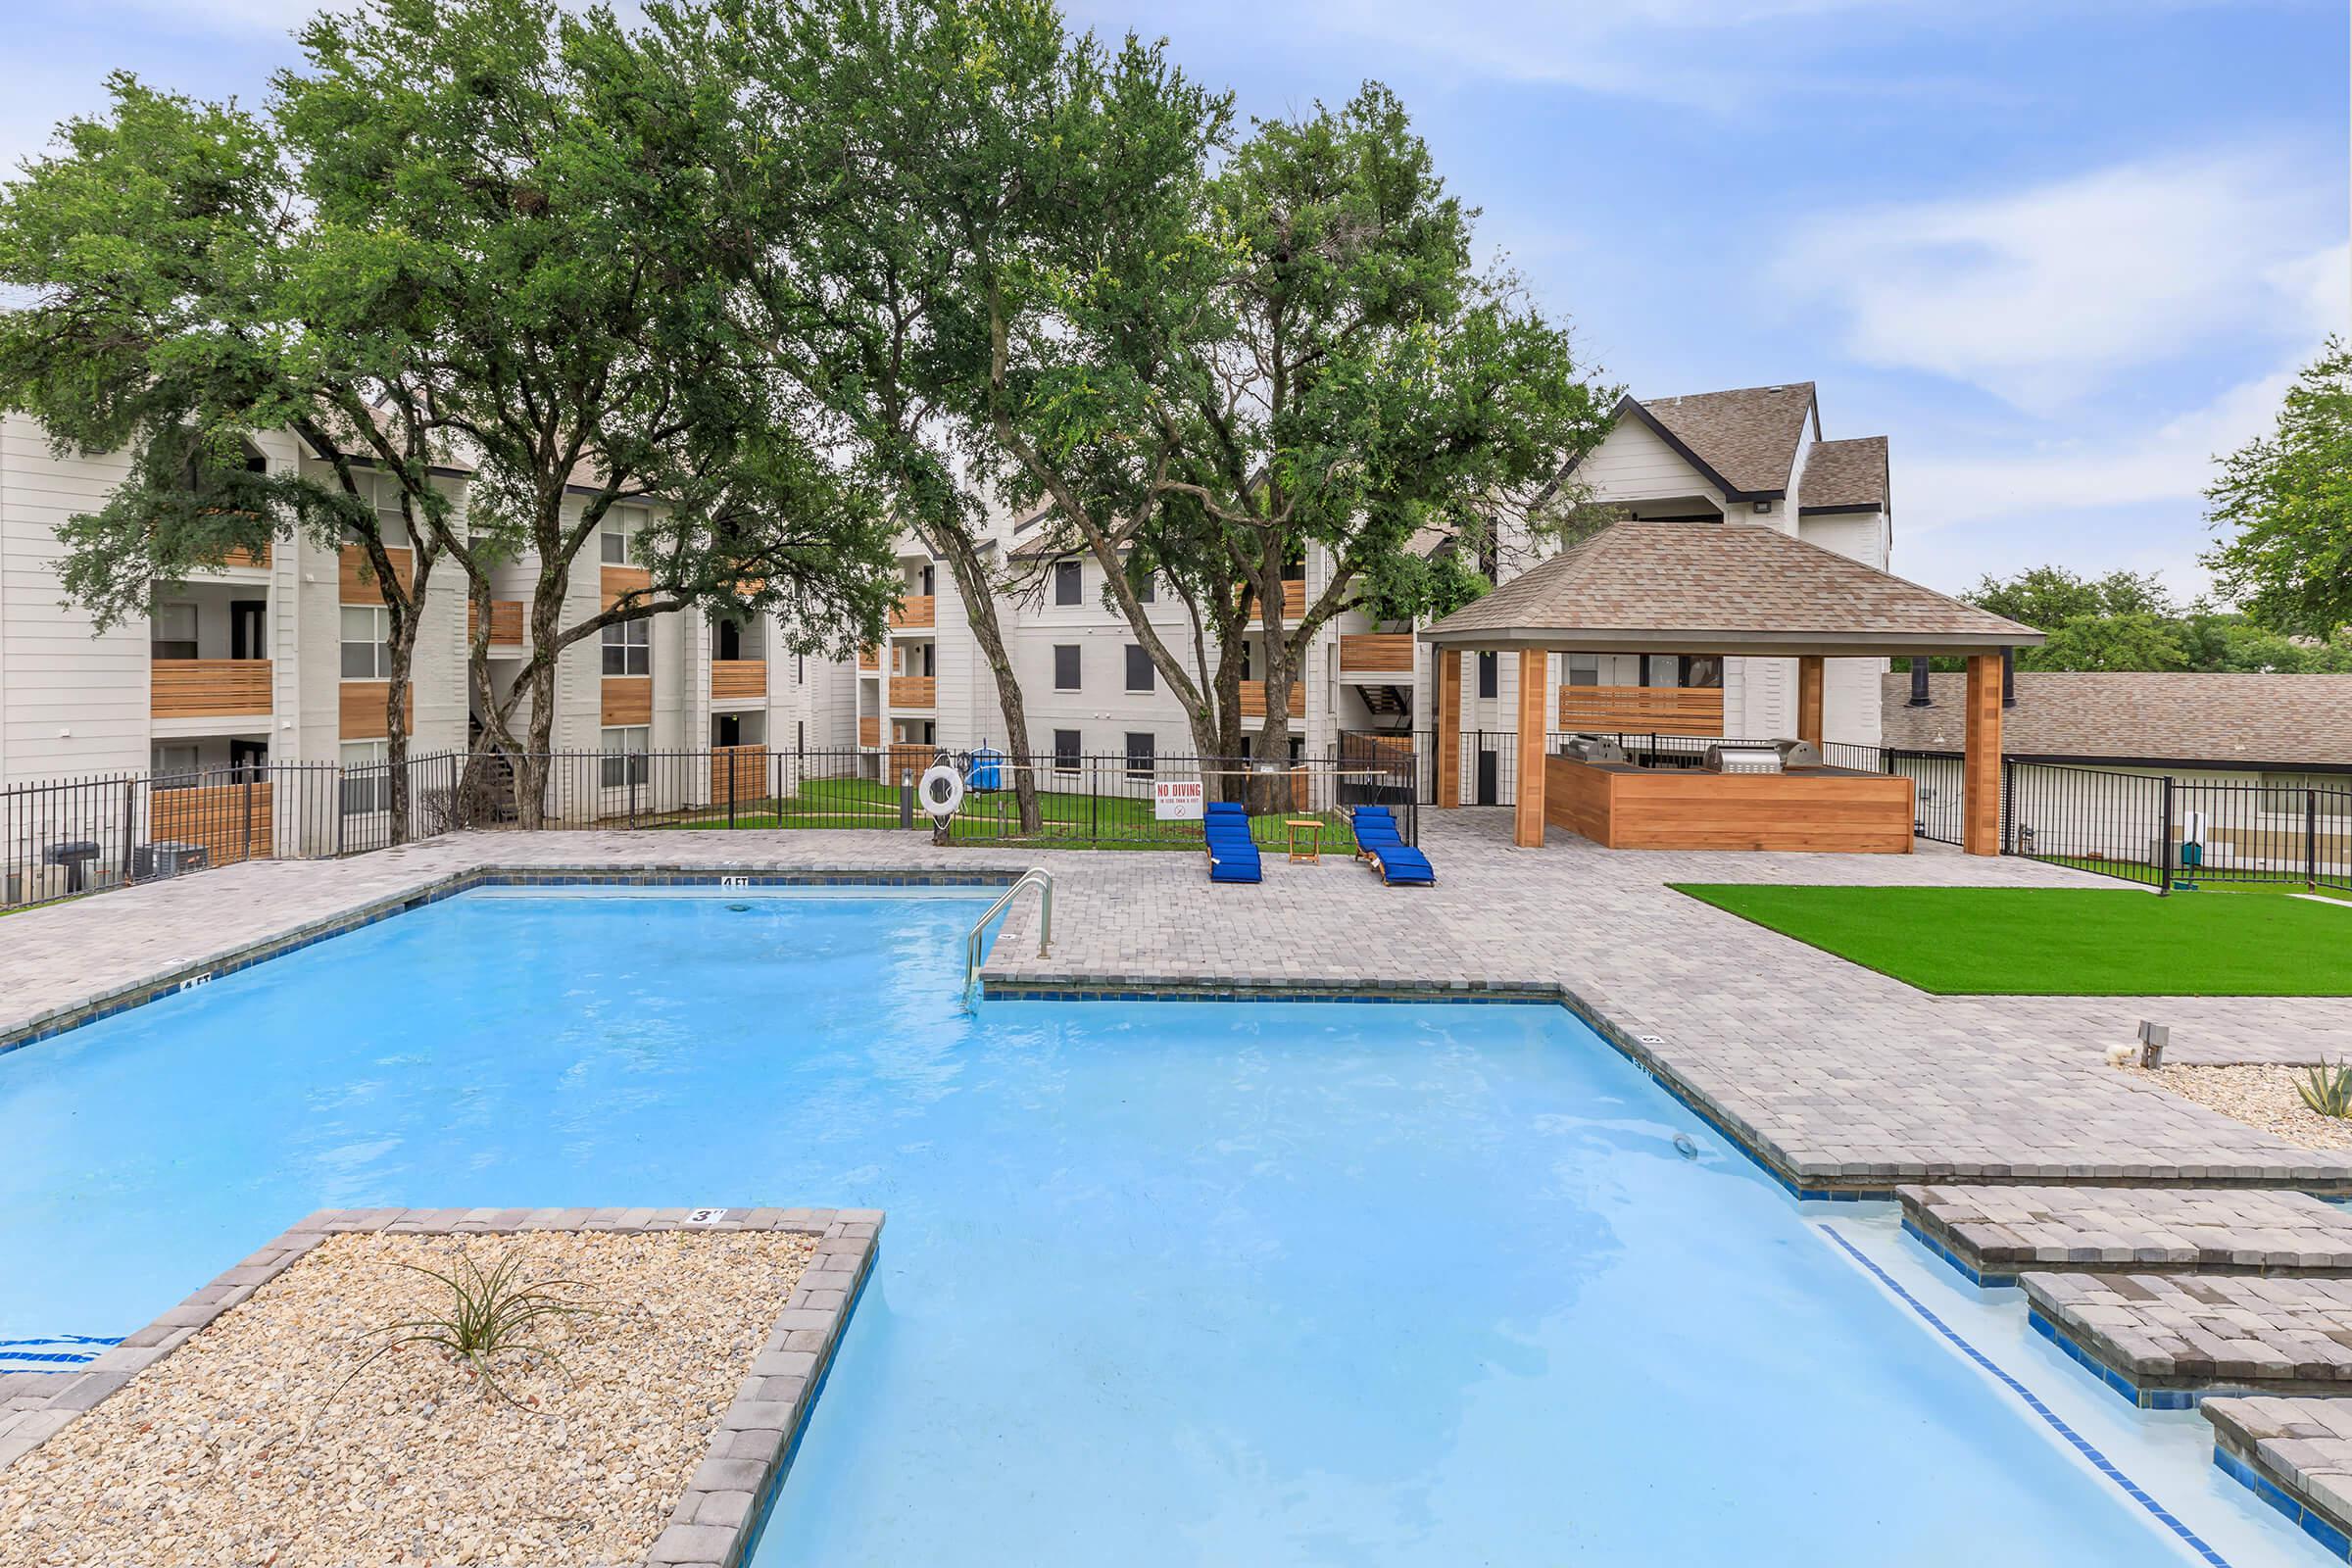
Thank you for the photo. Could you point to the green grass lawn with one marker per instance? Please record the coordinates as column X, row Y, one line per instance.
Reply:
column 2064, row 942
column 1071, row 820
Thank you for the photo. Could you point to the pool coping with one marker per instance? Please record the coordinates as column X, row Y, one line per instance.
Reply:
column 726, row 1497
column 2266, row 1467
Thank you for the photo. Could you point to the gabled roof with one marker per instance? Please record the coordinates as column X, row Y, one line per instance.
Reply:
column 1845, row 476
column 2153, row 717
column 1720, row 587
column 1744, row 442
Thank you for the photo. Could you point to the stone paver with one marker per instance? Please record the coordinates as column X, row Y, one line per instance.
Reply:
column 2157, row 1337
column 713, row 1522
column 1993, row 1233
column 1839, row 1079
column 2296, row 1454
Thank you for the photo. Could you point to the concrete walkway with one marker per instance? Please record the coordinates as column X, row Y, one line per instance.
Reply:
column 1839, row 1077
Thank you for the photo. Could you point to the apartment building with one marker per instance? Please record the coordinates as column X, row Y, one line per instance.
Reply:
column 280, row 659
column 1755, row 453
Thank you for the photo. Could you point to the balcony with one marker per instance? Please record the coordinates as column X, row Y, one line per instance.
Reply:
column 246, row 560
column 907, row 757
column 506, row 622
column 917, row 611
column 210, row 688
column 914, row 691
column 738, row 680
column 363, row 706
column 869, row 730
column 616, row 581
column 869, row 658
column 627, row 699
column 1386, row 656
column 356, row 582
column 1294, row 599
column 1643, row 709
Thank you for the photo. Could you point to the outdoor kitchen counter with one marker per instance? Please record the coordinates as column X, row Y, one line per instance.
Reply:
column 1623, row 806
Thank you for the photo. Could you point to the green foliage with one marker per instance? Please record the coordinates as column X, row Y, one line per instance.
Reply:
column 2327, row 1089
column 490, row 1315
column 2282, row 506
column 1402, row 585
column 2126, row 622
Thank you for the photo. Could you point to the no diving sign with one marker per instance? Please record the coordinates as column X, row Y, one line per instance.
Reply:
column 1177, row 800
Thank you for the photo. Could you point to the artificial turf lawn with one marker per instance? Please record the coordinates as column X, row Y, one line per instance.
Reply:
column 2064, row 942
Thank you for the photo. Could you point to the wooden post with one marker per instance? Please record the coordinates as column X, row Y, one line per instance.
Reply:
column 1450, row 726
column 1808, row 698
column 1980, row 759
column 1528, row 823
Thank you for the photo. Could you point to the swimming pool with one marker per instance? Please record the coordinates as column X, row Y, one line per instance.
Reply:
column 1163, row 1283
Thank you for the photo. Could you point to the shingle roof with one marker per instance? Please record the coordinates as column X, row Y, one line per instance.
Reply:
column 2228, row 721
column 1745, row 440
column 1846, row 474
column 1719, row 587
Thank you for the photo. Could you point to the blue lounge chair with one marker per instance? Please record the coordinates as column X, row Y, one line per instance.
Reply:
column 1232, row 856
column 1401, row 865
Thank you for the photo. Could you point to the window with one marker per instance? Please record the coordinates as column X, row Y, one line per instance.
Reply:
column 1067, row 582
column 1140, row 673
column 629, row 648
column 1065, row 750
column 1703, row 669
column 612, row 537
column 366, row 630
column 624, row 760
column 173, row 635
column 173, row 765
column 930, row 581
column 1147, row 587
column 366, row 780
column 390, row 525
column 1140, row 748
column 1297, row 749
column 1583, row 669
column 1490, row 674
column 1662, row 669
column 1065, row 666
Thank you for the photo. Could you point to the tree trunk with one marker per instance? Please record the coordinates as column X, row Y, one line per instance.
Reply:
column 402, row 648
column 980, row 613
column 532, row 767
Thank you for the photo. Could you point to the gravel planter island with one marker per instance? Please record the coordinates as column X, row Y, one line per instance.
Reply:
column 225, row 1441
column 2260, row 1095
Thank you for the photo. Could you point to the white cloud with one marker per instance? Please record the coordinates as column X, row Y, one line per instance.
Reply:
column 2044, row 295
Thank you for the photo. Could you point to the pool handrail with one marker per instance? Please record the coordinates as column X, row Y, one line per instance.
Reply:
column 1036, row 876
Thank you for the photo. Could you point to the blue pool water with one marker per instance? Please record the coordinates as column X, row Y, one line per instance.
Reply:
column 1161, row 1284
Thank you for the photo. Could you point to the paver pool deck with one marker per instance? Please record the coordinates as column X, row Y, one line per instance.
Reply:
column 1839, row 1078
column 1993, row 1233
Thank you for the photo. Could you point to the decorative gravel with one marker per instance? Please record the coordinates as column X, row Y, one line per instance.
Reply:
column 2261, row 1094
column 203, row 1457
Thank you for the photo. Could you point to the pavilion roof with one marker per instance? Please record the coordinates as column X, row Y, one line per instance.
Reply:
column 1720, row 587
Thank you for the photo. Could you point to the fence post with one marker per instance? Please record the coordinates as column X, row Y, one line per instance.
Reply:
column 730, row 789
column 2008, row 805
column 1094, row 799
column 628, row 762
column 2164, row 840
column 130, row 827
column 2311, row 841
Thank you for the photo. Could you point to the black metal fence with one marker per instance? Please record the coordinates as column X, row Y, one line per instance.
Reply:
column 63, row 839
column 1138, row 801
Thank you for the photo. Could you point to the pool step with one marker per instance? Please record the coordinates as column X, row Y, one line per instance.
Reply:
column 2165, row 1340
column 2295, row 1454
column 1993, row 1234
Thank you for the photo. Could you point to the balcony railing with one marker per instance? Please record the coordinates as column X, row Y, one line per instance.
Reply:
column 917, row 611
column 1643, row 709
column 738, row 679
column 1375, row 653
column 869, row 730
column 914, row 691
column 210, row 688
column 505, row 621
column 869, row 658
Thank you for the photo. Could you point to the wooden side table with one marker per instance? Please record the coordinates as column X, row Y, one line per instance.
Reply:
column 1312, row 827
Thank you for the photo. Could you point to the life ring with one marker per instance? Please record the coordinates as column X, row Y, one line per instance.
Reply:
column 942, row 789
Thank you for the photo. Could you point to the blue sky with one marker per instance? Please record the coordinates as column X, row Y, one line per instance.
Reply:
column 2062, row 251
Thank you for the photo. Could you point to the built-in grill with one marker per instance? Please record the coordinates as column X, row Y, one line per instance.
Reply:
column 1592, row 748
column 1762, row 757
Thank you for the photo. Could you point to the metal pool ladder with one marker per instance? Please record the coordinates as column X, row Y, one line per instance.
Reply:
column 1038, row 877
